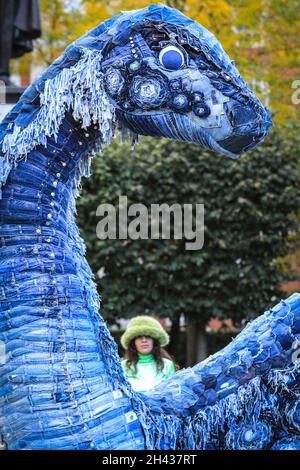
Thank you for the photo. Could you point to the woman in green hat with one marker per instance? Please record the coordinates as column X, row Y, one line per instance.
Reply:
column 146, row 363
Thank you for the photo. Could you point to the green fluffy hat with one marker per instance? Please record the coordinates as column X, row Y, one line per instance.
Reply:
column 144, row 326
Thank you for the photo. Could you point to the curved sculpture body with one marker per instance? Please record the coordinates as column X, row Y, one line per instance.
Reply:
column 151, row 72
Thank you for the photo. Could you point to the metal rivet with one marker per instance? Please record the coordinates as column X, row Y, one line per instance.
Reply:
column 52, row 194
column 38, row 230
column 63, row 163
column 58, row 175
column 52, row 255
column 52, row 204
column 87, row 134
column 55, row 183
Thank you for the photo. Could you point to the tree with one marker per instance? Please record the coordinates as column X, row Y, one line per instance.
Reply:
column 249, row 219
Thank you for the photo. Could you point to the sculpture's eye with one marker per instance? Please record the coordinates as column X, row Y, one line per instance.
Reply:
column 171, row 58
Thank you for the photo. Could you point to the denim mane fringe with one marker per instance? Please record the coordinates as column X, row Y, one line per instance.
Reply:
column 78, row 89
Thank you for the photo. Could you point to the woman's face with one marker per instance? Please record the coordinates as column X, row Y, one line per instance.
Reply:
column 144, row 344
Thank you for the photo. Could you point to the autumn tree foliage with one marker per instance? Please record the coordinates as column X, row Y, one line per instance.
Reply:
column 261, row 36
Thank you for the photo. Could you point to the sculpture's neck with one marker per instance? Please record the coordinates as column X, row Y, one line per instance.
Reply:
column 44, row 184
column 49, row 310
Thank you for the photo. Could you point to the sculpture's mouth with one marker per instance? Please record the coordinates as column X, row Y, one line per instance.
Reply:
column 249, row 127
column 186, row 127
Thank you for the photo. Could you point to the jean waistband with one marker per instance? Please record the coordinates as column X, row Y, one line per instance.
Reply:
column 7, row 231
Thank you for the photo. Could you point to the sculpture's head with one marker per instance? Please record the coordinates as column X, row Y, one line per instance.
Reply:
column 168, row 76
column 153, row 72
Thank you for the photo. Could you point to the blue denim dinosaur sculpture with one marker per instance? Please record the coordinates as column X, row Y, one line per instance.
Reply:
column 152, row 72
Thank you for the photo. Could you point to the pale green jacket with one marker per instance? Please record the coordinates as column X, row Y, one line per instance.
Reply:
column 147, row 375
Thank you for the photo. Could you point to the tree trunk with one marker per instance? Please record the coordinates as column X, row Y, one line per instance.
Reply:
column 175, row 337
column 196, row 343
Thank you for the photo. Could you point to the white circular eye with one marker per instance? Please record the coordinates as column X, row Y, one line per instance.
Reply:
column 171, row 58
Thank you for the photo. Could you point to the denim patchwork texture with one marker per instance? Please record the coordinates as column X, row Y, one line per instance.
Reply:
column 148, row 72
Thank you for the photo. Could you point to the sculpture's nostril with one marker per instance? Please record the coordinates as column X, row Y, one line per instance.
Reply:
column 241, row 115
column 231, row 118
